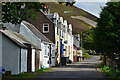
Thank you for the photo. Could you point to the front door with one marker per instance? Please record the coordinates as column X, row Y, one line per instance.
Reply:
column 53, row 56
column 46, row 56
column 61, row 50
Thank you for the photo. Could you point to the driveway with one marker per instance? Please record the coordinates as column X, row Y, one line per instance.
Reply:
column 84, row 69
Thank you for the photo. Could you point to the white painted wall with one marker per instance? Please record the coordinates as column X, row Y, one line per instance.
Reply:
column 23, row 60
column 41, row 53
column 70, row 43
column 0, row 53
column 66, row 26
column 40, row 61
column 33, row 60
column 44, row 57
column 72, row 50
column 11, row 55
column 28, row 34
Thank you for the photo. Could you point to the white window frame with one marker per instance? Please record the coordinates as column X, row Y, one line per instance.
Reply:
column 45, row 26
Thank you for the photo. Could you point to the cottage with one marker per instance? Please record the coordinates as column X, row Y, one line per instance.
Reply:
column 55, row 19
column 76, row 45
column 27, row 56
column 46, row 26
column 70, row 42
column 47, row 52
column 66, row 37
column 33, row 59
column 13, row 53
column 63, row 34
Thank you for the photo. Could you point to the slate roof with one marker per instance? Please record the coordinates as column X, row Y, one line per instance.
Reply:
column 50, row 16
column 37, row 32
column 17, row 38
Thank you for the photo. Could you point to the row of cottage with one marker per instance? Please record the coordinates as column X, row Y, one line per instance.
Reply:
column 35, row 43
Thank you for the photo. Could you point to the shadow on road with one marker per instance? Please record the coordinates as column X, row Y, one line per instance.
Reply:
column 84, row 69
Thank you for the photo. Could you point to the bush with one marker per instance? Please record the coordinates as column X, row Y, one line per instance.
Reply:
column 101, row 65
column 86, row 55
column 106, row 68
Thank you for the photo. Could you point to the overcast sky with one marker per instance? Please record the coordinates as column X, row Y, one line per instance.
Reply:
column 91, row 6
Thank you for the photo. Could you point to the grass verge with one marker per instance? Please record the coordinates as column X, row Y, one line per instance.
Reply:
column 22, row 75
column 109, row 72
column 42, row 70
column 27, row 75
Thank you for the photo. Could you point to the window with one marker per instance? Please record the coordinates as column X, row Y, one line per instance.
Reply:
column 45, row 28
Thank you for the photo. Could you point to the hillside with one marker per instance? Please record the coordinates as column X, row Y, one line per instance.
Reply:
column 69, row 12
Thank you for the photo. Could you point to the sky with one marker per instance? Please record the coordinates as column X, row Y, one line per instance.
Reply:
column 91, row 6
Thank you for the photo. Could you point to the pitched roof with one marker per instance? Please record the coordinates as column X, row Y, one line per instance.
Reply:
column 47, row 16
column 6, row 33
column 50, row 16
column 36, row 32
column 17, row 38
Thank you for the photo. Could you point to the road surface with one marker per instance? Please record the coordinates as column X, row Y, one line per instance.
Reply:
column 84, row 69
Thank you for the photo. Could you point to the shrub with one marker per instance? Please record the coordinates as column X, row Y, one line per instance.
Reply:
column 101, row 65
column 86, row 55
column 106, row 68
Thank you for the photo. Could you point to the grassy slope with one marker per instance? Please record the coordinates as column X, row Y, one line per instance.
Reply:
column 78, row 25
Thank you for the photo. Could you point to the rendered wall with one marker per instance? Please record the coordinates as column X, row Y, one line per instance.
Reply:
column 11, row 55
column 23, row 60
column 33, row 60
column 29, row 35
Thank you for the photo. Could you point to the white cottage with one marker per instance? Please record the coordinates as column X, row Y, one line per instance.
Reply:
column 25, row 56
column 70, row 42
column 66, row 37
column 14, row 53
column 47, row 53
column 29, row 35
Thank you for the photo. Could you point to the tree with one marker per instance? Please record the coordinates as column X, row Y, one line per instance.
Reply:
column 15, row 12
column 107, row 32
column 87, row 38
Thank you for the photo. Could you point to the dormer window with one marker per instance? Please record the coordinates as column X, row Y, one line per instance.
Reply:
column 45, row 28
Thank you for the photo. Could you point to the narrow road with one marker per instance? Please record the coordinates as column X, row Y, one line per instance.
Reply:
column 84, row 69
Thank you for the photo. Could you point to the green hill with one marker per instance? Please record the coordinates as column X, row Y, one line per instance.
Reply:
column 66, row 12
